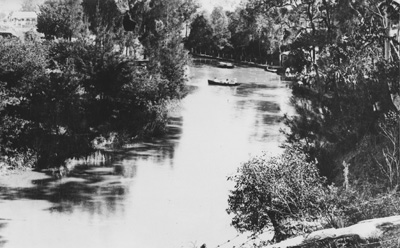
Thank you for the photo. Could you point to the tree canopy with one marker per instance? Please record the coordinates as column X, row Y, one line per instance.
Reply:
column 276, row 193
column 59, row 96
column 346, row 64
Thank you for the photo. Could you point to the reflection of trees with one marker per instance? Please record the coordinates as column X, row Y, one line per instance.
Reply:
column 98, row 188
column 2, row 225
column 268, row 112
column 161, row 148
column 93, row 191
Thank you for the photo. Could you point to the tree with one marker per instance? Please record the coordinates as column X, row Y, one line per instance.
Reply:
column 249, row 35
column 219, row 24
column 200, row 37
column 60, row 19
column 161, row 36
column 188, row 9
column 277, row 192
column 64, row 94
column 104, row 15
column 343, row 95
column 60, row 96
column 239, row 27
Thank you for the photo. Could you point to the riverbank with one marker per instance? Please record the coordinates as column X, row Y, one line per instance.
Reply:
column 7, row 169
column 247, row 63
column 379, row 232
column 173, row 188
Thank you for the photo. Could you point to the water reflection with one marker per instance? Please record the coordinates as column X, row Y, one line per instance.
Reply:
column 166, row 192
column 80, row 191
column 3, row 224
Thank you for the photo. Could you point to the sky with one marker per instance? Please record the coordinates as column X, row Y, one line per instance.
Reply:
column 226, row 4
column 10, row 5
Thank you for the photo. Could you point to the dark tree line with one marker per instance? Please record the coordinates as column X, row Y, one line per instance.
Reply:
column 59, row 95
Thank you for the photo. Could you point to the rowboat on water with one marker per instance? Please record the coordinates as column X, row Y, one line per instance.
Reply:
column 222, row 82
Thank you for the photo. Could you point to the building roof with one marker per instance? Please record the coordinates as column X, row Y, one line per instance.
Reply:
column 5, row 29
column 23, row 14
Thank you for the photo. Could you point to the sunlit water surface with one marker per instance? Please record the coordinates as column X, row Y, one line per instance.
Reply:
column 168, row 193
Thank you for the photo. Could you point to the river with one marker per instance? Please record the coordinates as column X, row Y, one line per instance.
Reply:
column 170, row 192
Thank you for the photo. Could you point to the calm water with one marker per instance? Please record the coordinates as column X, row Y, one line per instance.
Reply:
column 165, row 193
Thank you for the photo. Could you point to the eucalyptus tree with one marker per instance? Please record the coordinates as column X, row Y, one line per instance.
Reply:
column 219, row 24
column 160, row 33
column 344, row 96
column 188, row 10
column 242, row 29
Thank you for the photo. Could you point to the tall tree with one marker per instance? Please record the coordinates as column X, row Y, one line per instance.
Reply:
column 188, row 9
column 201, row 34
column 103, row 14
column 345, row 93
column 60, row 19
column 219, row 24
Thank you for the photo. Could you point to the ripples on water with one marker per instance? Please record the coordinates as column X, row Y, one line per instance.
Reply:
column 168, row 192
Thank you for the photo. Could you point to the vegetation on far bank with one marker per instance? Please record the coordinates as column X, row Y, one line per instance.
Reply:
column 84, row 81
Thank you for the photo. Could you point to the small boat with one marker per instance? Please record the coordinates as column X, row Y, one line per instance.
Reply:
column 223, row 83
column 225, row 65
column 274, row 69
column 271, row 69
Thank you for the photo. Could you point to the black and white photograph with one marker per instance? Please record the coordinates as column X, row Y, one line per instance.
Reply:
column 199, row 123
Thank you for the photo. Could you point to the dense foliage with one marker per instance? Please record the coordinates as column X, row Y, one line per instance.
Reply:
column 281, row 192
column 61, row 96
column 61, row 19
column 346, row 88
column 200, row 37
column 346, row 95
column 58, row 96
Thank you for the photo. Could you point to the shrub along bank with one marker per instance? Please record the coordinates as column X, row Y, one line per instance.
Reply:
column 58, row 96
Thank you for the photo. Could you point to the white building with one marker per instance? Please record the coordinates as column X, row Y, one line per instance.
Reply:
column 23, row 19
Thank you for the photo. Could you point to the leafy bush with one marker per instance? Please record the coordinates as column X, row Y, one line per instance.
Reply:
column 58, row 96
column 284, row 193
column 354, row 205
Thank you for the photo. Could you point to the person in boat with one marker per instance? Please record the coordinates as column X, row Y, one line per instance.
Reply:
column 227, row 81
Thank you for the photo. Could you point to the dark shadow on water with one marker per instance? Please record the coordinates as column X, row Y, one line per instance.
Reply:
column 3, row 224
column 85, row 187
column 98, row 189
column 189, row 89
column 249, row 89
column 272, row 119
column 160, row 148
column 262, row 106
column 268, row 106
